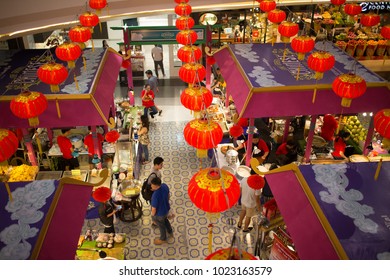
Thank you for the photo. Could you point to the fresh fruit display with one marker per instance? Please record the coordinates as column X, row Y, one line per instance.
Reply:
column 353, row 126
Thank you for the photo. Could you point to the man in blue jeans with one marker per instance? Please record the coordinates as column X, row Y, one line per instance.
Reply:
column 160, row 210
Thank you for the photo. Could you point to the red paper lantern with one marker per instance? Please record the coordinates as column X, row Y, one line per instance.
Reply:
column 370, row 19
column 382, row 123
column 203, row 134
column 183, row 9
column 210, row 60
column 186, row 37
column 102, row 194
column 352, row 9
column 236, row 131
column 8, row 144
column 192, row 73
column 125, row 64
column 53, row 74
column 68, row 52
column 276, row 16
column 267, row 5
column 29, row 105
column 189, row 53
column 89, row 19
column 80, row 34
column 112, row 136
column 385, row 31
column 243, row 122
column 337, row 2
column 181, row 1
column 98, row 5
column 256, row 182
column 302, row 45
column 348, row 87
column 185, row 22
column 320, row 62
column 287, row 29
column 225, row 254
column 214, row 190
column 196, row 98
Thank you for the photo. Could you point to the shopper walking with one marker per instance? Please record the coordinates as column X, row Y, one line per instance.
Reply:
column 160, row 210
column 153, row 82
column 157, row 55
column 143, row 136
column 147, row 96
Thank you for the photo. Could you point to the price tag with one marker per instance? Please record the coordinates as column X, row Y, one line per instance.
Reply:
column 76, row 172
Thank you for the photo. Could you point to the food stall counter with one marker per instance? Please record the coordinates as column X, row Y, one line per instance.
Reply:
column 88, row 250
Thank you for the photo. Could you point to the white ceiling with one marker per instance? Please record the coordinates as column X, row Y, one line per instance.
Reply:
column 22, row 17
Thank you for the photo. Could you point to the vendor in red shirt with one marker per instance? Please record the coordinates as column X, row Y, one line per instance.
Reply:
column 340, row 143
column 66, row 147
column 286, row 152
column 89, row 143
column 261, row 152
column 147, row 96
column 329, row 127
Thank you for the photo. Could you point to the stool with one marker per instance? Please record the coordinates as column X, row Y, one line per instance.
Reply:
column 131, row 209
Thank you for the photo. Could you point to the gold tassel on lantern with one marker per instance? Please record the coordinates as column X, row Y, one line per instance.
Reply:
column 34, row 121
column 58, row 109
column 298, row 72
column 76, row 82
column 8, row 191
column 339, row 124
column 54, row 88
column 378, row 169
column 93, row 45
column 100, row 26
column 71, row 64
column 38, row 143
column 346, row 102
column 200, row 153
column 85, row 63
column 210, row 238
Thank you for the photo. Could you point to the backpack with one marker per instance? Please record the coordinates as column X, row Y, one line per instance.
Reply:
column 146, row 190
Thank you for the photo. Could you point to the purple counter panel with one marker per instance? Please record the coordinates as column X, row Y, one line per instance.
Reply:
column 276, row 90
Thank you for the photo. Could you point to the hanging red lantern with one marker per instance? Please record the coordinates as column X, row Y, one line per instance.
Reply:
column 8, row 144
column 196, row 99
column 181, row 1
column 382, row 126
column 337, row 2
column 186, row 37
column 236, row 131
column 370, row 19
column 185, row 22
column 183, row 9
column 53, row 74
column 267, row 5
column 192, row 73
column 89, row 19
column 98, row 5
column 189, row 53
column 302, row 45
column 210, row 60
column 348, row 87
column 226, row 254
column 68, row 52
column 385, row 32
column 80, row 34
column 243, row 122
column 287, row 29
column 102, row 194
column 125, row 64
column 352, row 9
column 203, row 134
column 214, row 190
column 29, row 105
column 112, row 136
column 276, row 16
column 320, row 62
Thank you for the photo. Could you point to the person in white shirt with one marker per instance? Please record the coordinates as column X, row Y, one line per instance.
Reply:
column 157, row 55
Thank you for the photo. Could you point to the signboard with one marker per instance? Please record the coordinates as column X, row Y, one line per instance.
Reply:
column 382, row 7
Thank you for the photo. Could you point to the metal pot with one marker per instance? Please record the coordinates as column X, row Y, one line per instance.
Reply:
column 231, row 157
column 77, row 140
column 243, row 172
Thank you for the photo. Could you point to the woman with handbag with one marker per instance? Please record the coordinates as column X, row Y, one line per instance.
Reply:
column 143, row 136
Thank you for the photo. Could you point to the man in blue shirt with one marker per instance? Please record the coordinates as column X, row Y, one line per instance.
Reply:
column 160, row 209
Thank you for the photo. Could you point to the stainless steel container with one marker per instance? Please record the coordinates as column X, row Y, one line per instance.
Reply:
column 231, row 157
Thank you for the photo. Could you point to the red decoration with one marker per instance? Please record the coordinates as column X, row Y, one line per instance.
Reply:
column 214, row 190
column 243, row 122
column 112, row 136
column 236, row 131
column 126, row 64
column 256, row 182
column 337, row 2
column 80, row 34
column 225, row 254
column 8, row 144
column 320, row 62
column 68, row 52
column 192, row 73
column 186, row 37
column 181, row 1
column 385, row 31
column 53, row 74
column 196, row 98
column 189, row 53
column 287, row 29
column 267, row 5
column 370, row 19
column 352, row 9
column 185, row 22
column 302, row 45
column 183, row 9
column 203, row 134
column 276, row 16
column 89, row 19
column 381, row 123
column 102, row 194
column 348, row 87
column 29, row 105
column 98, row 5
column 210, row 60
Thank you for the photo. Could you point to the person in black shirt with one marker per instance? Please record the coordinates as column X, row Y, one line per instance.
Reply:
column 107, row 211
